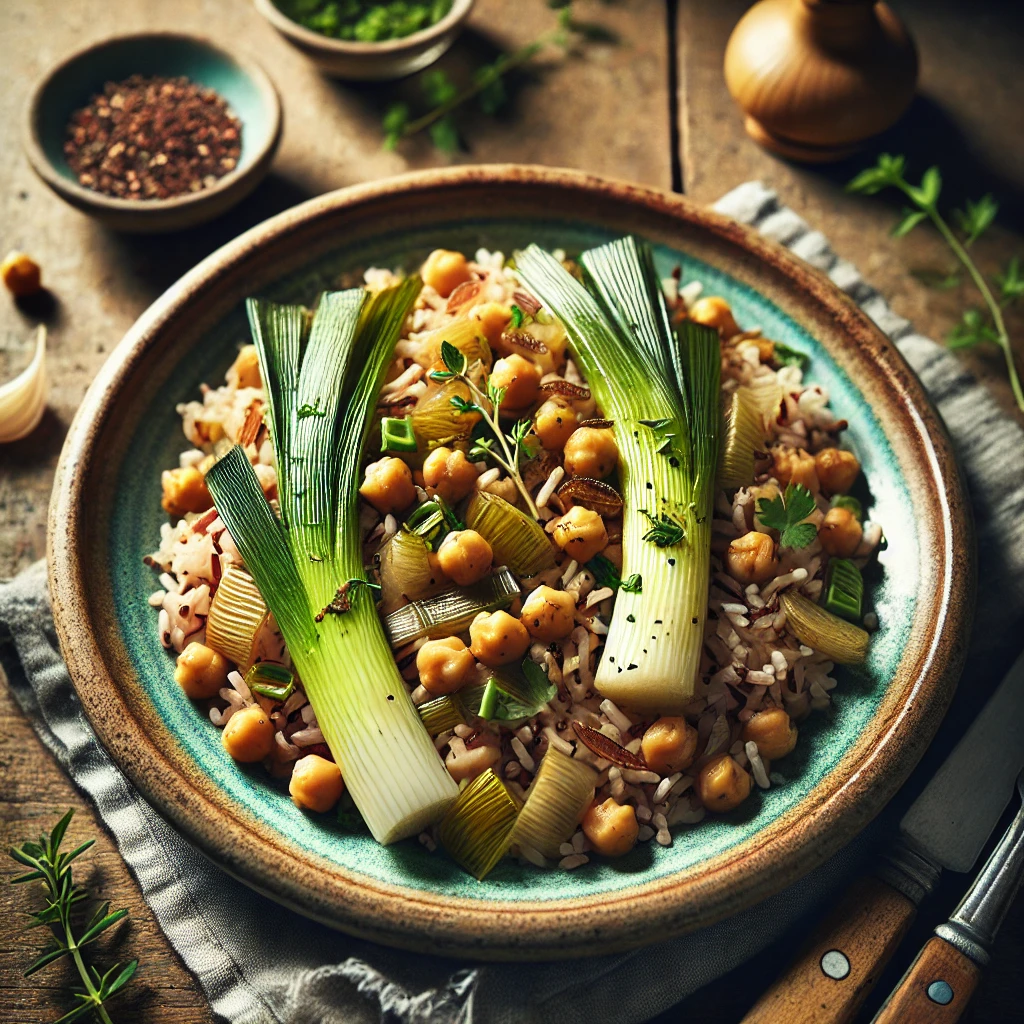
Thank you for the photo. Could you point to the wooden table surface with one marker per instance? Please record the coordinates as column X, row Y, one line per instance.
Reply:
column 647, row 103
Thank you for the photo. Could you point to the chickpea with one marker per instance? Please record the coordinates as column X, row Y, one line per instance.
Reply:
column 496, row 638
column 519, row 377
column 554, row 423
column 714, row 312
column 840, row 532
column 581, row 534
column 591, row 451
column 465, row 557
column 765, row 349
column 388, row 486
column 473, row 762
column 184, row 491
column 837, row 470
column 794, row 466
column 201, row 671
column 722, row 784
column 449, row 473
column 751, row 558
column 249, row 735
column 772, row 731
column 549, row 614
column 21, row 275
column 245, row 370
column 611, row 827
column 444, row 271
column 316, row 783
column 444, row 665
column 494, row 317
column 669, row 745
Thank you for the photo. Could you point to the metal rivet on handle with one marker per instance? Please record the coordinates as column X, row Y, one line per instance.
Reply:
column 835, row 965
column 940, row 992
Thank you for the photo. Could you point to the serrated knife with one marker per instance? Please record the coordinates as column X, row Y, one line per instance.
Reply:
column 945, row 828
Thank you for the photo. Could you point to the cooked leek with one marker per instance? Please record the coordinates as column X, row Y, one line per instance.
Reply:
column 844, row 589
column 237, row 614
column 511, row 694
column 477, row 829
column 662, row 391
column 743, row 440
column 396, row 435
column 437, row 422
column 433, row 521
column 561, row 791
column 516, row 540
column 275, row 682
column 464, row 333
column 452, row 610
column 405, row 572
column 832, row 636
column 322, row 380
column 442, row 713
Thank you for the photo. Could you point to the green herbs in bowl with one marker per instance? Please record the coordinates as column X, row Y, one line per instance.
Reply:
column 365, row 21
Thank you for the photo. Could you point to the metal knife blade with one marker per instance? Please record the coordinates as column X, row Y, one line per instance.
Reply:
column 955, row 815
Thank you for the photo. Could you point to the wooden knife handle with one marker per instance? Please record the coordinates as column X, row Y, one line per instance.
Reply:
column 936, row 989
column 835, row 971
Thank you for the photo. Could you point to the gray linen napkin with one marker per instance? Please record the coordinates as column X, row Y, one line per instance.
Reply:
column 258, row 962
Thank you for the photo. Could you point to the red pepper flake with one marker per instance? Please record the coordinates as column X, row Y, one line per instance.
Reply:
column 607, row 748
column 153, row 138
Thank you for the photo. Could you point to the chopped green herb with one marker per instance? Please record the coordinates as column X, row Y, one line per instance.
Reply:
column 787, row 513
column 665, row 531
column 396, row 435
column 517, row 317
column 850, row 503
column 633, row 584
column 786, row 356
column 364, row 21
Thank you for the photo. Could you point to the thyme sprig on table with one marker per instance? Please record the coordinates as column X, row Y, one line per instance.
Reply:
column 511, row 446
column 487, row 88
column 47, row 864
column 976, row 325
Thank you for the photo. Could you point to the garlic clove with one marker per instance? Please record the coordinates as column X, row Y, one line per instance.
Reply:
column 23, row 400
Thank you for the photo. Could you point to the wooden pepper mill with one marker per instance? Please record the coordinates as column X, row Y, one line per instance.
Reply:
column 817, row 78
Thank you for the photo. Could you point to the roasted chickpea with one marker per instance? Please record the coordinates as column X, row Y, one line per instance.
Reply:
column 184, row 491
column 837, row 470
column 465, row 557
column 388, row 486
column 474, row 761
column 669, row 745
column 494, row 318
column 581, row 534
column 794, row 466
column 496, row 638
column 245, row 370
column 444, row 271
column 21, row 275
column 840, row 532
column 714, row 312
column 444, row 665
column 722, row 784
column 201, row 671
column 611, row 827
column 772, row 731
column 554, row 423
column 449, row 473
column 751, row 558
column 549, row 614
column 316, row 783
column 519, row 377
column 591, row 451
column 249, row 735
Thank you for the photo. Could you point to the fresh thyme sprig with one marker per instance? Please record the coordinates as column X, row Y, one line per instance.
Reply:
column 512, row 445
column 665, row 531
column 487, row 88
column 976, row 217
column 48, row 865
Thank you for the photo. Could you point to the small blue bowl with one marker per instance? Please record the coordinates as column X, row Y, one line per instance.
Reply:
column 70, row 85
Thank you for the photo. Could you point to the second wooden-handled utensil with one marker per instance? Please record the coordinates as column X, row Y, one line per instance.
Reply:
column 946, row 827
column 940, row 982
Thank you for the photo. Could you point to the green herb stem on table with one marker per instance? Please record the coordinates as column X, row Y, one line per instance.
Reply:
column 973, row 221
column 47, row 864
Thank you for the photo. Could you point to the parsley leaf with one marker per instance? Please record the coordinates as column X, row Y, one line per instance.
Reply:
column 972, row 330
column 517, row 318
column 1011, row 282
column 633, row 584
column 786, row 514
column 976, row 217
column 665, row 531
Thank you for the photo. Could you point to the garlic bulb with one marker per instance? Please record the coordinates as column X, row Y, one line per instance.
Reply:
column 23, row 399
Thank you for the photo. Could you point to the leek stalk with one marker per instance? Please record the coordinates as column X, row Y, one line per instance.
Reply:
column 662, row 391
column 322, row 381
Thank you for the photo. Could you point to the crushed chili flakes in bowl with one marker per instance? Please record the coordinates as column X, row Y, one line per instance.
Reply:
column 153, row 138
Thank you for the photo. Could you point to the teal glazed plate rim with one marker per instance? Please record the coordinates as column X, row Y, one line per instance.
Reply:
column 105, row 516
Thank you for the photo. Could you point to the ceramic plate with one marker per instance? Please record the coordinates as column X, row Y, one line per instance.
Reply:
column 106, row 515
